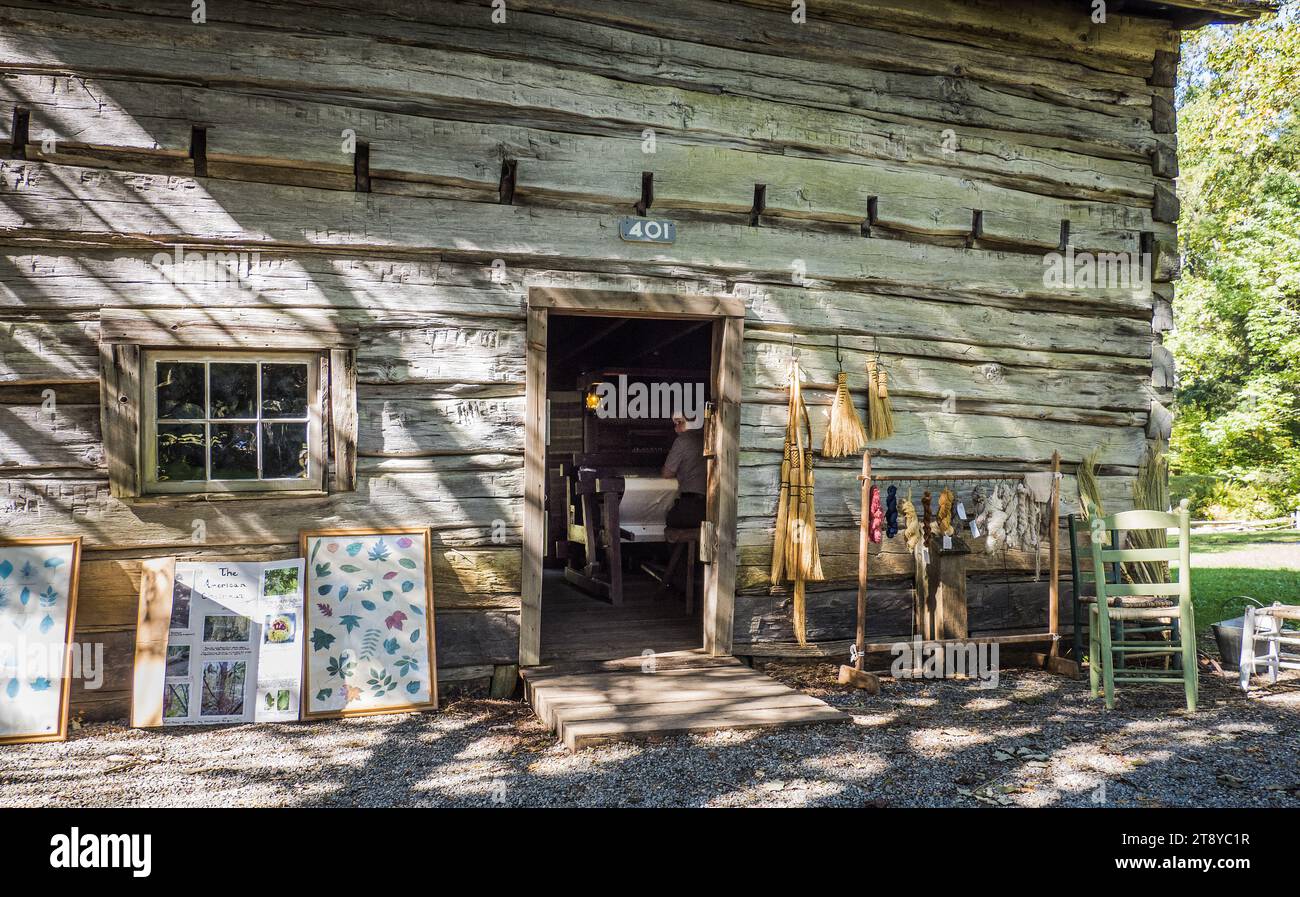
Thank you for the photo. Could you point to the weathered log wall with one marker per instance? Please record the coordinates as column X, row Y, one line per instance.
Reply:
column 918, row 158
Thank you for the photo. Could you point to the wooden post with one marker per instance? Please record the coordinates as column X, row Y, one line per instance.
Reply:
column 1054, row 559
column 534, row 549
column 864, row 560
column 856, row 675
column 1052, row 659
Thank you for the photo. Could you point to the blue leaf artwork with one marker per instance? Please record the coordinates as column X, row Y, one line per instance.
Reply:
column 374, row 568
column 36, row 588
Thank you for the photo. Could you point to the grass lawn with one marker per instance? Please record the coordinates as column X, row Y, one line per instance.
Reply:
column 1226, row 566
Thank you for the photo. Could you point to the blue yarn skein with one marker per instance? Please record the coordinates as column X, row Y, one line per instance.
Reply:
column 891, row 512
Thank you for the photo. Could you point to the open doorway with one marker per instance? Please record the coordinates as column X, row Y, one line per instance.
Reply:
column 622, row 553
column 626, row 477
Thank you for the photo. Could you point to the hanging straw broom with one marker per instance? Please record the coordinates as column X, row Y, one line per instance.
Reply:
column 880, row 414
column 845, row 434
column 795, row 556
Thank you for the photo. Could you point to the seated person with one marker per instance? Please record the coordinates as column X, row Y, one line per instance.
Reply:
column 686, row 463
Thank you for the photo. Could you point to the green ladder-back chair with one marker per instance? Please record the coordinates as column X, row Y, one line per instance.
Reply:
column 1105, row 651
column 1081, row 575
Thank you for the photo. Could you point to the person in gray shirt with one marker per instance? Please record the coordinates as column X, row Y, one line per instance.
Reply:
column 686, row 463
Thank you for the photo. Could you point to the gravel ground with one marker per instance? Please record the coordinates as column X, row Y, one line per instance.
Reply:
column 1036, row 740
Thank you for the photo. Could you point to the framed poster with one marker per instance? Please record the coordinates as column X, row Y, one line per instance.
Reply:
column 368, row 622
column 232, row 649
column 38, row 613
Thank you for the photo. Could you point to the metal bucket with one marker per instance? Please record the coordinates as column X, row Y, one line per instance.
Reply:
column 1228, row 635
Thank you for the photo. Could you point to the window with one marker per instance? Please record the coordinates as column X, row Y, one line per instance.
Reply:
column 231, row 421
column 201, row 401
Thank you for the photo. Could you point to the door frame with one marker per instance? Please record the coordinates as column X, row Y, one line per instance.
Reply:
column 728, row 316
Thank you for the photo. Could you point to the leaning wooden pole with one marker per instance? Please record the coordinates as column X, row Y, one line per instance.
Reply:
column 1054, row 558
column 855, row 674
column 1053, row 660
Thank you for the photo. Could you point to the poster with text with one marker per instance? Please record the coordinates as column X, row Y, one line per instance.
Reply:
column 368, row 622
column 38, row 601
column 234, row 644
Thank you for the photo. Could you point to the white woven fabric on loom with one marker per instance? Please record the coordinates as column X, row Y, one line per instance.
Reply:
column 646, row 500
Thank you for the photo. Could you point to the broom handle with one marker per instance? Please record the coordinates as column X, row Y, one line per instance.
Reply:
column 864, row 545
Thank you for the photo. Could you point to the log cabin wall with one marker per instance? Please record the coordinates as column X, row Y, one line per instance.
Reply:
column 919, row 159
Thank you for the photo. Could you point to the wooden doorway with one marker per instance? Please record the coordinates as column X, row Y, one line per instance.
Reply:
column 726, row 313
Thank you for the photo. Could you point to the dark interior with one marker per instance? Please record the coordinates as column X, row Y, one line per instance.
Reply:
column 583, row 351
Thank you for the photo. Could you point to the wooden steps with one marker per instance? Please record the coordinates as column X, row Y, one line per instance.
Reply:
column 616, row 701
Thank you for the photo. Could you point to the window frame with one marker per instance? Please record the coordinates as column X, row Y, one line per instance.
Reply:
column 317, row 461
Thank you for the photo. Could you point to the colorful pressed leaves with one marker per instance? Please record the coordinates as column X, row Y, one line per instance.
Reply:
column 38, row 597
column 369, row 622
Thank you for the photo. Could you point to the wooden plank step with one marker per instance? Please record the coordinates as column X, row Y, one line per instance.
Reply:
column 693, row 659
column 571, row 715
column 614, row 678
column 602, row 682
column 594, row 707
column 580, row 735
column 547, row 705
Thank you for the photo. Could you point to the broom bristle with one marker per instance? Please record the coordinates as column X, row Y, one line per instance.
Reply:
column 883, row 425
column 844, row 433
column 873, row 403
column 1150, row 492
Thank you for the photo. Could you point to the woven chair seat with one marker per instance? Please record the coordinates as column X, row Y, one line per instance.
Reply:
column 1134, row 601
column 1144, row 613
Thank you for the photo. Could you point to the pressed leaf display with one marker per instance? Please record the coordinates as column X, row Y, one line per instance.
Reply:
column 38, row 596
column 370, row 646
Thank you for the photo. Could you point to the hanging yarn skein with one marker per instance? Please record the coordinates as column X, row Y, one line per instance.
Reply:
column 946, row 501
column 996, row 521
column 979, row 502
column 876, row 520
column 916, row 545
column 891, row 512
column 1013, row 501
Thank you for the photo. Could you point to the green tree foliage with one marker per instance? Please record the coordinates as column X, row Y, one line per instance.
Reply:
column 1237, row 307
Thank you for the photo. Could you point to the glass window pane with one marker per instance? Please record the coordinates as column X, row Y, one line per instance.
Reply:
column 284, row 390
column 234, row 451
column 180, row 452
column 284, row 451
column 233, row 389
column 180, row 390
